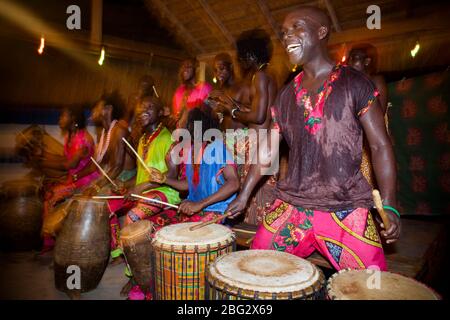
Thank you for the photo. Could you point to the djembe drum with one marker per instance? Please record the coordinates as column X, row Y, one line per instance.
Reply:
column 181, row 257
column 376, row 285
column 136, row 240
column 264, row 274
column 84, row 242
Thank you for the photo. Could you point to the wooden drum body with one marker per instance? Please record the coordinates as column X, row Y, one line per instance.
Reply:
column 136, row 243
column 264, row 274
column 20, row 215
column 84, row 242
column 376, row 285
column 181, row 258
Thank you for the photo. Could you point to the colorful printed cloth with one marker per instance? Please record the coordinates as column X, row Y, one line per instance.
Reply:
column 325, row 141
column 347, row 238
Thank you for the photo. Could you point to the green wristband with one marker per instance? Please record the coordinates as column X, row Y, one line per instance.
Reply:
column 392, row 209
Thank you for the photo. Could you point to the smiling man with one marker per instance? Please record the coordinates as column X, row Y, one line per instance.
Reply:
column 323, row 203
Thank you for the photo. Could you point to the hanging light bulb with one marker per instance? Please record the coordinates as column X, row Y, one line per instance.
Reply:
column 102, row 56
column 415, row 50
column 294, row 68
column 42, row 46
column 343, row 58
column 215, row 80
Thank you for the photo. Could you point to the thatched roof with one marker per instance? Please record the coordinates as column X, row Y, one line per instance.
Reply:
column 205, row 27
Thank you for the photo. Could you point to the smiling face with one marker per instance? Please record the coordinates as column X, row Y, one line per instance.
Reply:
column 302, row 34
column 148, row 112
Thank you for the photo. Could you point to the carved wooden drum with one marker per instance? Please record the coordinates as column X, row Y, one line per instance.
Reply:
column 136, row 241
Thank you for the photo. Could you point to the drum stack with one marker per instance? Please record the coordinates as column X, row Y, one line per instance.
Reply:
column 84, row 244
column 20, row 215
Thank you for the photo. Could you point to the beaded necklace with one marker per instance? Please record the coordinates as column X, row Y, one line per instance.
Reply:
column 147, row 141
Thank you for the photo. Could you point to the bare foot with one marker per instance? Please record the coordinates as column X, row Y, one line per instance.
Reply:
column 126, row 288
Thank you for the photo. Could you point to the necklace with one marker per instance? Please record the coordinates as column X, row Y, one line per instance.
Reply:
column 103, row 145
column 147, row 141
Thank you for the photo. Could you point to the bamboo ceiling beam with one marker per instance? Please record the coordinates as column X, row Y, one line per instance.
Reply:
column 187, row 37
column 270, row 20
column 333, row 15
column 212, row 15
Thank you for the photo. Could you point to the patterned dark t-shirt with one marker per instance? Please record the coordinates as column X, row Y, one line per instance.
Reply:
column 324, row 163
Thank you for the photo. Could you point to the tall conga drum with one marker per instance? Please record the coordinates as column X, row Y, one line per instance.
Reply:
column 181, row 257
column 83, row 242
column 376, row 285
column 136, row 241
column 264, row 275
column 20, row 215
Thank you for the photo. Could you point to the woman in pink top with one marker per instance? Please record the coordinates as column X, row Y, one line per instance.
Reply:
column 189, row 94
column 79, row 146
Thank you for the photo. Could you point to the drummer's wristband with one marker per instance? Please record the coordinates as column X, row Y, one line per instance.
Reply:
column 392, row 209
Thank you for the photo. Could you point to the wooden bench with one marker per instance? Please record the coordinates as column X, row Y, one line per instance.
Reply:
column 413, row 255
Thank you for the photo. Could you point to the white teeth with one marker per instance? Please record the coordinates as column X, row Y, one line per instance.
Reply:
column 293, row 47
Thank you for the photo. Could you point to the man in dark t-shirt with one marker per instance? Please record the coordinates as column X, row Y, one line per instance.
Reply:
column 323, row 203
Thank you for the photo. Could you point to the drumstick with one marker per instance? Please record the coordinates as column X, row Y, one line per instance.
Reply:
column 104, row 173
column 249, row 240
column 154, row 200
column 379, row 206
column 154, row 90
column 137, row 156
column 206, row 223
column 107, row 197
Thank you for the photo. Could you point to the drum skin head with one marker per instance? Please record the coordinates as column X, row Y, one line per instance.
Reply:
column 364, row 285
column 136, row 229
column 180, row 235
column 265, row 271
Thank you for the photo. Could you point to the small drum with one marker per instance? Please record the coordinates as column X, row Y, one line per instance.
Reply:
column 136, row 243
column 181, row 257
column 376, row 285
column 264, row 274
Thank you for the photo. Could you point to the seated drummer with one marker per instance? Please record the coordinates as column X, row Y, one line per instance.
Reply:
column 210, row 174
column 154, row 147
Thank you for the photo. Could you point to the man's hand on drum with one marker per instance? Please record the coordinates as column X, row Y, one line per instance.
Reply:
column 237, row 206
column 190, row 208
column 393, row 233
